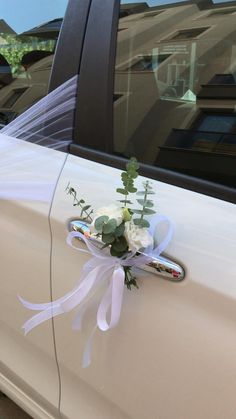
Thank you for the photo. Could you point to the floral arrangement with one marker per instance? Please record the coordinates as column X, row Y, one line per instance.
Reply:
column 122, row 228
column 120, row 238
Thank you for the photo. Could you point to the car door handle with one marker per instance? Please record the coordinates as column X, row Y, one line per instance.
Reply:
column 161, row 265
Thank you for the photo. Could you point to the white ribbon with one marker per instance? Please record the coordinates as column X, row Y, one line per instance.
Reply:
column 102, row 266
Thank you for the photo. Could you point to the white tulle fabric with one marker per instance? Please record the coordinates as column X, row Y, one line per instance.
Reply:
column 29, row 169
column 50, row 121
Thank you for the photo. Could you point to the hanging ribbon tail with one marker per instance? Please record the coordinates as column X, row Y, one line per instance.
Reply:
column 64, row 304
column 88, row 349
column 42, row 317
column 60, row 306
column 112, row 299
column 101, row 276
column 74, row 298
column 100, row 267
column 77, row 322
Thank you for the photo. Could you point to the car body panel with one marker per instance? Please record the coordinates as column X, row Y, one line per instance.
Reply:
column 172, row 353
column 26, row 268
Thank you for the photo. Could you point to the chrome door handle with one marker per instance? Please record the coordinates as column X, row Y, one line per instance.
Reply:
column 161, row 265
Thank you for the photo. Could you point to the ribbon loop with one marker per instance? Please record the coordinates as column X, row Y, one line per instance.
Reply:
column 100, row 267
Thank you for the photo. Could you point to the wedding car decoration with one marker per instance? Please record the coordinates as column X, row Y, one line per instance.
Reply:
column 121, row 238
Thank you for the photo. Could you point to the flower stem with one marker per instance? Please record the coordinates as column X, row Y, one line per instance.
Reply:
column 130, row 280
column 145, row 199
column 72, row 191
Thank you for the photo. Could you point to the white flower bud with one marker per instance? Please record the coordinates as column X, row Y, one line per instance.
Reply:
column 137, row 238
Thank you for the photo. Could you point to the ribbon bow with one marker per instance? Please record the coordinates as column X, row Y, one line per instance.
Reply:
column 101, row 267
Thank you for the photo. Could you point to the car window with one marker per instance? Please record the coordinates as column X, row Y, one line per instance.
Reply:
column 28, row 36
column 175, row 87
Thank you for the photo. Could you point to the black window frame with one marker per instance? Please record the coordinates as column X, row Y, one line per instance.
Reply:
column 69, row 48
column 94, row 113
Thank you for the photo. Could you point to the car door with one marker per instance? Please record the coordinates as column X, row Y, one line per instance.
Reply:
column 29, row 168
column 172, row 354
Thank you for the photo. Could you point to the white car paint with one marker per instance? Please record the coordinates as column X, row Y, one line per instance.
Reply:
column 173, row 352
column 27, row 362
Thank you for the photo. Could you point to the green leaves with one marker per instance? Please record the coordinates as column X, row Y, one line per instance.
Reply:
column 128, row 178
column 146, row 193
column 130, row 280
column 146, row 204
column 100, row 222
column 141, row 223
column 86, row 210
column 112, row 234
column 122, row 191
column 144, row 211
column 133, row 165
column 147, row 211
column 119, row 247
column 119, row 231
column 108, row 238
column 110, row 226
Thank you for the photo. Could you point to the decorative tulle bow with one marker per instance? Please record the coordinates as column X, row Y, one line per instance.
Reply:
column 102, row 267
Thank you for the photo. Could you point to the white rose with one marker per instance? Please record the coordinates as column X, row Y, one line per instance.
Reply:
column 137, row 238
column 112, row 211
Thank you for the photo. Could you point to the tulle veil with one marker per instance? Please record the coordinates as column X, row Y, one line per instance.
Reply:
column 48, row 124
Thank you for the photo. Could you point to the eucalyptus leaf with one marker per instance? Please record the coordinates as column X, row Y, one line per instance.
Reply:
column 147, row 211
column 120, row 244
column 119, row 231
column 108, row 238
column 147, row 203
column 85, row 208
column 147, row 185
column 133, row 164
column 131, row 189
column 141, row 192
column 110, row 226
column 141, row 223
column 137, row 211
column 123, row 201
column 133, row 174
column 115, row 253
column 122, row 191
column 100, row 221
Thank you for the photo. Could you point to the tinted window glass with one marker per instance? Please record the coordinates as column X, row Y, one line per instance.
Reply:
column 28, row 36
column 176, row 75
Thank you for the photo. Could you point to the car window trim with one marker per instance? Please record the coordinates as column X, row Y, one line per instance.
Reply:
column 69, row 49
column 190, row 183
column 94, row 113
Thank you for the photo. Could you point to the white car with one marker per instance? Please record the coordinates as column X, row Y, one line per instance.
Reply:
column 158, row 84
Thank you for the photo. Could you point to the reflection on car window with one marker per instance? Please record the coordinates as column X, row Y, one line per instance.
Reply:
column 27, row 44
column 176, row 81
